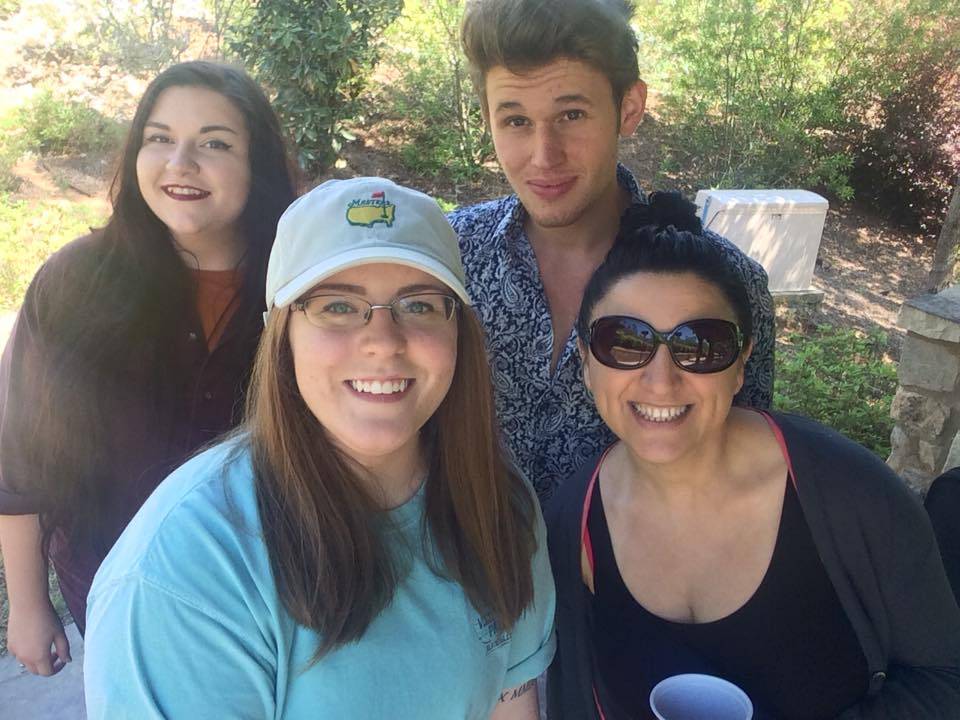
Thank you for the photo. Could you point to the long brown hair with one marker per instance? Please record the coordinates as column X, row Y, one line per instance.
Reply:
column 112, row 316
column 324, row 531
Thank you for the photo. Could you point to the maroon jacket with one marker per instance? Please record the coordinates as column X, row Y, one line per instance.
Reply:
column 145, row 445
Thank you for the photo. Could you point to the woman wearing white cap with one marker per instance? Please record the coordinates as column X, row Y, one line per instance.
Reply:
column 360, row 548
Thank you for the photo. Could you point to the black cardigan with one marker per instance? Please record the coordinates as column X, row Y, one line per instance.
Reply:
column 878, row 550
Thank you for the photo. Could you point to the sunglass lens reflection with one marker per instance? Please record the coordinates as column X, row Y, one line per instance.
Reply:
column 625, row 343
column 704, row 346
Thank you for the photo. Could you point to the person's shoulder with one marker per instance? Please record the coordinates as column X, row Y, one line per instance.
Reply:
column 84, row 251
column 75, row 262
column 947, row 485
column 204, row 510
column 798, row 428
column 834, row 462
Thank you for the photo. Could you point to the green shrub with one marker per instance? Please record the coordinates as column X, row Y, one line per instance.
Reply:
column 433, row 100
column 745, row 90
column 9, row 182
column 12, row 147
column 54, row 126
column 841, row 378
column 908, row 155
column 767, row 92
column 316, row 56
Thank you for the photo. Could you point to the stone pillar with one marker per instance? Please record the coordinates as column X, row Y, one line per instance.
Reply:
column 925, row 440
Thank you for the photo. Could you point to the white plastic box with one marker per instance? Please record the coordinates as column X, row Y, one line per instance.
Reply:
column 780, row 229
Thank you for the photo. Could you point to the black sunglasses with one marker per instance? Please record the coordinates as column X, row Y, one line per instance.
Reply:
column 696, row 346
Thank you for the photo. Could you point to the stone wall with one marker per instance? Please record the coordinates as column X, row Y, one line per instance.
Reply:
column 926, row 438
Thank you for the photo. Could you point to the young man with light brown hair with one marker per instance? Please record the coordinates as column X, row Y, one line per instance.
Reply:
column 559, row 85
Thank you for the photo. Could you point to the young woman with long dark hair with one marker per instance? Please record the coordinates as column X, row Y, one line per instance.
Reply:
column 359, row 548
column 134, row 344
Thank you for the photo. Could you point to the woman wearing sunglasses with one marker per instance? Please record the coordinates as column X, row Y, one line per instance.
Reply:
column 360, row 548
column 762, row 548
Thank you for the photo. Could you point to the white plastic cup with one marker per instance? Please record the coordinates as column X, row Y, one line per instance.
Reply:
column 699, row 697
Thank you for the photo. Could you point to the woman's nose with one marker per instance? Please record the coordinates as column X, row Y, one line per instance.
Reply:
column 661, row 371
column 181, row 158
column 382, row 334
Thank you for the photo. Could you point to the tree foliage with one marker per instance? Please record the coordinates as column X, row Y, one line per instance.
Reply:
column 433, row 97
column 316, row 56
column 778, row 92
column 140, row 35
column 907, row 150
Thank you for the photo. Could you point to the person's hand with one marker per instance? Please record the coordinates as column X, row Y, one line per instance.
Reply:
column 36, row 638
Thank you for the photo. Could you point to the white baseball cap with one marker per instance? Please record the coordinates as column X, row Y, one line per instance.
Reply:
column 344, row 223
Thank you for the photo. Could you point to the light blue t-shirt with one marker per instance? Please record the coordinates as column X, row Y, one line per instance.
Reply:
column 184, row 621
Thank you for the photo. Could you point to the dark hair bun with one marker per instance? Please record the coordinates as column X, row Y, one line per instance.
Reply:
column 661, row 210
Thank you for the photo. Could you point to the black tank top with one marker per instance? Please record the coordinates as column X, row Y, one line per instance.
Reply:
column 790, row 646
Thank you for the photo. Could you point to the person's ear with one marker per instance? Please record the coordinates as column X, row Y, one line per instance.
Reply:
column 631, row 108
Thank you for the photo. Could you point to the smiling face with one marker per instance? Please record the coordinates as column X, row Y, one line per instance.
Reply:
column 555, row 130
column 662, row 413
column 374, row 387
column 193, row 168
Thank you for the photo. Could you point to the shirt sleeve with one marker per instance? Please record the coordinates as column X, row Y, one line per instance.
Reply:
column 922, row 629
column 151, row 652
column 533, row 640
column 20, row 372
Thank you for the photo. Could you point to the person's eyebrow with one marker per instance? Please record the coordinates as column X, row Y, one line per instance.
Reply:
column 420, row 288
column 360, row 290
column 341, row 287
column 508, row 105
column 204, row 129
column 216, row 128
column 575, row 98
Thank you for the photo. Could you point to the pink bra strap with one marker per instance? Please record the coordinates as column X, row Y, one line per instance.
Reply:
column 596, row 700
column 584, row 531
column 778, row 434
column 588, row 546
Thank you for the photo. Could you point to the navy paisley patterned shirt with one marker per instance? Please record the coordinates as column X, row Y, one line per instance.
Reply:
column 549, row 420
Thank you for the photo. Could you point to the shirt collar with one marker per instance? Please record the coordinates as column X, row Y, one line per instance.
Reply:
column 628, row 182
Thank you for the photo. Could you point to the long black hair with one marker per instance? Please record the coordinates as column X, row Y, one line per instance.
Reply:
column 111, row 316
column 662, row 236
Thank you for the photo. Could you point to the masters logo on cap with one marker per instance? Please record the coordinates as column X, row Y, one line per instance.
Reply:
column 344, row 223
column 369, row 212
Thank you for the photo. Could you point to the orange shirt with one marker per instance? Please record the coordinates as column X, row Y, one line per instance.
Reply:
column 217, row 295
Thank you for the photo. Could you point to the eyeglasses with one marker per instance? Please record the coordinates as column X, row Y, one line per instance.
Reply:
column 696, row 346
column 421, row 310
